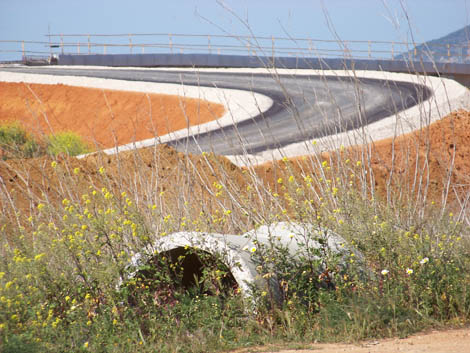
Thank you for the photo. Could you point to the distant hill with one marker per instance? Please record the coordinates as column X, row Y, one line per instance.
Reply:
column 454, row 47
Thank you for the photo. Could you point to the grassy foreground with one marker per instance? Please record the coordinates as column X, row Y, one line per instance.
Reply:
column 69, row 228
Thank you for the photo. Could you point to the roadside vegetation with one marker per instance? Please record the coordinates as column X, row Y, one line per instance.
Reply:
column 16, row 142
column 69, row 229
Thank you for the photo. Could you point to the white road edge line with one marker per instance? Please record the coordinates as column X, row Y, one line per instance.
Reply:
column 448, row 95
column 239, row 105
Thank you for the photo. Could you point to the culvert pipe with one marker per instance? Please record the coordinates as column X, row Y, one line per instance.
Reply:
column 240, row 252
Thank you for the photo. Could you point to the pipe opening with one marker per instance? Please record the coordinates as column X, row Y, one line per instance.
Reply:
column 183, row 270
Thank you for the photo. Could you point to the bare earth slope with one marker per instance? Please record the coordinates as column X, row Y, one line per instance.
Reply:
column 423, row 156
column 104, row 117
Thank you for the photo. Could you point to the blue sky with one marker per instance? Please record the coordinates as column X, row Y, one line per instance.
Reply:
column 351, row 19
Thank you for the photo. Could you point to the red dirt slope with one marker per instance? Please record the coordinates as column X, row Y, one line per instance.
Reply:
column 104, row 117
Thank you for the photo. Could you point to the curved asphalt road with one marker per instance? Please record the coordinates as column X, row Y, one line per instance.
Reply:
column 305, row 107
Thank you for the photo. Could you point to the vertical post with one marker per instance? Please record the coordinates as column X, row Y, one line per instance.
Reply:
column 448, row 51
column 50, row 44
column 22, row 49
column 130, row 43
column 89, row 45
column 393, row 54
column 170, row 43
column 209, row 44
column 273, row 47
column 62, row 43
column 369, row 49
column 78, row 47
column 104, row 49
column 143, row 49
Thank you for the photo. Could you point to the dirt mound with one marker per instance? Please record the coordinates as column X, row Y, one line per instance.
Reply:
column 154, row 174
column 104, row 117
column 431, row 163
column 435, row 154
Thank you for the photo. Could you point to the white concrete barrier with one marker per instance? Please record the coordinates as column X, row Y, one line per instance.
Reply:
column 242, row 253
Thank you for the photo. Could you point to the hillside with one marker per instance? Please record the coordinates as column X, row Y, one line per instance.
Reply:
column 437, row 49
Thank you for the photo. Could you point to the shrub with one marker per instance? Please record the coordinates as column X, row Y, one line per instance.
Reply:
column 19, row 343
column 15, row 142
column 66, row 142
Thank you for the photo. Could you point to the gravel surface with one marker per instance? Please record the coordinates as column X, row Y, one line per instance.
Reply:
column 449, row 341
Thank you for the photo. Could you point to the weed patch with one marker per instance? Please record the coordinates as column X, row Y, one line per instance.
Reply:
column 68, row 143
column 64, row 268
column 15, row 142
